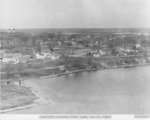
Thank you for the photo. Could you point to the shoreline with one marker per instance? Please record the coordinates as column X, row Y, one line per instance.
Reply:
column 94, row 69
column 41, row 99
column 25, row 106
column 16, row 108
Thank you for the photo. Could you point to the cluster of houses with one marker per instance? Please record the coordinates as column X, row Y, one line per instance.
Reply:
column 101, row 44
column 15, row 58
column 49, row 55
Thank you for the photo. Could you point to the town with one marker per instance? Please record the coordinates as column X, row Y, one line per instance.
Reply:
column 26, row 55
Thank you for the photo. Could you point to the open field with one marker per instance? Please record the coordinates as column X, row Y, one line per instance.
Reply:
column 13, row 96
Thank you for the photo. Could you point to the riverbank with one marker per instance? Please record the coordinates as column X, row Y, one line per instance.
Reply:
column 32, row 94
column 15, row 97
column 94, row 69
column 111, row 91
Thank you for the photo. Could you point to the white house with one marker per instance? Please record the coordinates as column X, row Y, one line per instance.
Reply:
column 11, row 58
column 52, row 56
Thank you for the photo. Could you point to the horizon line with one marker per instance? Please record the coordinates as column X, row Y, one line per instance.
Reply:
column 77, row 28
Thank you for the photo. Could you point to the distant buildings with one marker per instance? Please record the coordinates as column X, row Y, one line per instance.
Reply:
column 44, row 55
column 11, row 58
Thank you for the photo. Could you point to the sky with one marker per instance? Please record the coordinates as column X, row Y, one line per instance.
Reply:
column 74, row 13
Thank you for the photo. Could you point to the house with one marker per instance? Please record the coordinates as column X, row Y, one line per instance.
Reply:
column 25, row 58
column 45, row 55
column 12, row 60
column 40, row 56
column 15, row 58
column 9, row 42
column 99, row 53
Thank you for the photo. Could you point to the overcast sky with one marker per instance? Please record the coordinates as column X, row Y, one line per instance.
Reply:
column 74, row 13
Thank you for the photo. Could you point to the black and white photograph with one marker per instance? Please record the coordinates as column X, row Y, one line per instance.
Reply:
column 74, row 57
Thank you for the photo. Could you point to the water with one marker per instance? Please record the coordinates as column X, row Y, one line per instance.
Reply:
column 121, row 91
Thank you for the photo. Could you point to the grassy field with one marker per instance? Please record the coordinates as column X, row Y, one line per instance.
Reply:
column 14, row 96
